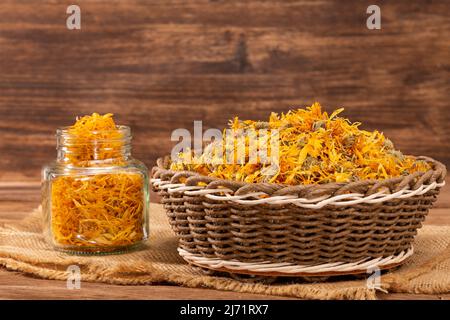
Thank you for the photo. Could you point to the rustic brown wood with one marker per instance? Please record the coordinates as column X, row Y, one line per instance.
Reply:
column 17, row 286
column 17, row 199
column 160, row 65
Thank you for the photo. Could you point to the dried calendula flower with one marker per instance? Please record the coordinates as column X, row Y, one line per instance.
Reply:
column 102, row 130
column 101, row 210
column 314, row 148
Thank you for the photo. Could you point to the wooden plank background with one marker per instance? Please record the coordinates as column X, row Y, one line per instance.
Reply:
column 159, row 65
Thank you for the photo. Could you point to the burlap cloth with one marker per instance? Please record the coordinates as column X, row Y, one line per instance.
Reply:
column 22, row 248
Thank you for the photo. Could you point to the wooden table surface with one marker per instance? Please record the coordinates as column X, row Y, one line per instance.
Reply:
column 18, row 198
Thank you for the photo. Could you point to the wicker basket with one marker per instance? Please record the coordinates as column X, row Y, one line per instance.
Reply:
column 270, row 229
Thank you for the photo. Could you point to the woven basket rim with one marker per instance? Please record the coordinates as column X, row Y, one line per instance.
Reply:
column 414, row 180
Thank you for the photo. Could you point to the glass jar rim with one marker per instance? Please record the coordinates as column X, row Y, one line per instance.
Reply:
column 65, row 131
column 65, row 138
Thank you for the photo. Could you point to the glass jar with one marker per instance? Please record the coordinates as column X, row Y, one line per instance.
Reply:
column 95, row 195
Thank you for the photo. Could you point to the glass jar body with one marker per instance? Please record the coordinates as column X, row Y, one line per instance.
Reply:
column 96, row 209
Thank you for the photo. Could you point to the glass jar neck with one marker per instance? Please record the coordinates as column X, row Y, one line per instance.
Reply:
column 93, row 148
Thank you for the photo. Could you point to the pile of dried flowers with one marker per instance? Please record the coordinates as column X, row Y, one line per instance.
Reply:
column 314, row 148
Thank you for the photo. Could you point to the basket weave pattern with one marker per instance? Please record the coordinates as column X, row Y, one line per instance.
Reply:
column 289, row 233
